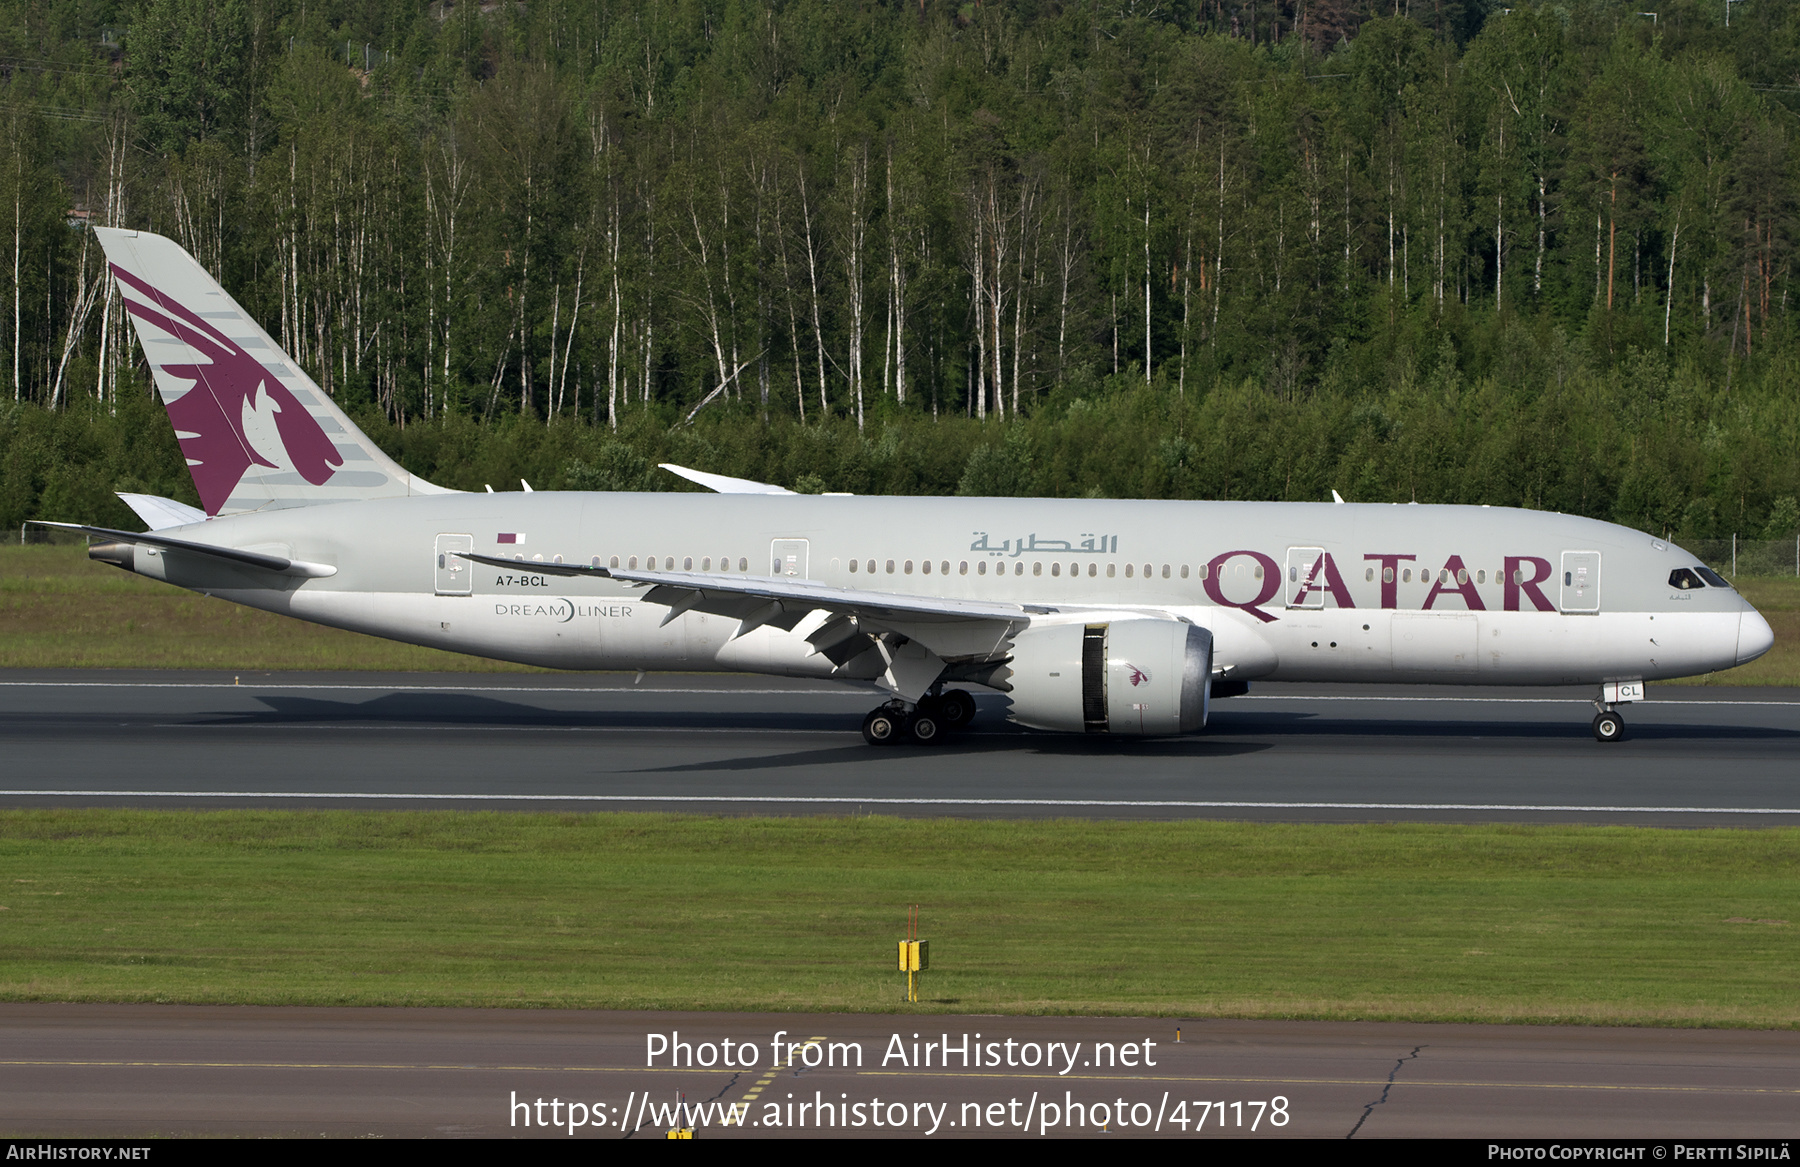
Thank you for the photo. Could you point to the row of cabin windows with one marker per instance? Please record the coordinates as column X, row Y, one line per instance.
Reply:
column 1443, row 575
column 925, row 567
column 687, row 563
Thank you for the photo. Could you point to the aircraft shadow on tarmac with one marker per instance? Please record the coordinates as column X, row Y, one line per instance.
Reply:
column 1008, row 742
column 402, row 710
column 1300, row 723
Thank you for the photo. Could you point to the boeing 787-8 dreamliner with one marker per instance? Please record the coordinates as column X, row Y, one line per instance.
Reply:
column 1092, row 616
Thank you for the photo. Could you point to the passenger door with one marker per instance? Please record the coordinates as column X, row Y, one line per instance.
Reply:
column 455, row 575
column 1305, row 568
column 788, row 558
column 1581, row 582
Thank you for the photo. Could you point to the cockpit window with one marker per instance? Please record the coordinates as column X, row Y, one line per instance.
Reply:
column 1683, row 579
column 1712, row 577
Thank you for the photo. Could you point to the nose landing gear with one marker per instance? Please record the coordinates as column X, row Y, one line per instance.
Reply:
column 929, row 722
column 1609, row 724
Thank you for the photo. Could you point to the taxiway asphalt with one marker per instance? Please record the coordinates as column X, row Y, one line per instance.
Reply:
column 125, row 1071
column 1699, row 756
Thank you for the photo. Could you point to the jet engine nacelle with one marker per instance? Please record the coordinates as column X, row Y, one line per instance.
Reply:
column 1131, row 676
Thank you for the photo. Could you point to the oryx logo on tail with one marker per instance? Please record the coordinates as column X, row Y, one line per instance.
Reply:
column 238, row 414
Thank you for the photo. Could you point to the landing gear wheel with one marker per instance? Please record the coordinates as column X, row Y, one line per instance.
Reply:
column 881, row 727
column 958, row 708
column 1608, row 727
column 926, row 728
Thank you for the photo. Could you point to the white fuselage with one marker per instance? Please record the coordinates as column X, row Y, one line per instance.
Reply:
column 1290, row 591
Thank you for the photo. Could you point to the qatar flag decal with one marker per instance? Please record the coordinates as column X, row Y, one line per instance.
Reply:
column 510, row 537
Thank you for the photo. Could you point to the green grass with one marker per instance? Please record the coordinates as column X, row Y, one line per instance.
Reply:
column 59, row 609
column 1605, row 925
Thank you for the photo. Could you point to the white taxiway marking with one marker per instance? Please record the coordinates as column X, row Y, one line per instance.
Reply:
column 814, row 800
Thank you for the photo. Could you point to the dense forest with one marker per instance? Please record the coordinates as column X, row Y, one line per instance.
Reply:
column 1534, row 255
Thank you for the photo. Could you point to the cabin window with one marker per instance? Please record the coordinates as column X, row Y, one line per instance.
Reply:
column 1518, row 576
column 1093, row 570
column 1258, row 572
column 1204, row 570
column 1111, row 570
column 1568, row 578
column 687, row 563
column 706, row 564
column 854, row 564
column 1443, row 575
column 1129, row 568
column 633, row 563
column 1055, row 569
column 1387, row 575
column 962, row 568
column 1481, row 577
column 596, row 562
column 1369, row 575
column 871, row 567
column 1293, row 573
column 1165, row 571
column 1184, row 571
column 1074, row 569
column 981, row 567
column 1019, row 568
column 907, row 568
column 1462, row 575
column 925, row 567
column 1406, row 576
column 743, row 564
column 890, row 567
column 1036, row 568
column 613, row 562
column 556, row 559
column 944, row 567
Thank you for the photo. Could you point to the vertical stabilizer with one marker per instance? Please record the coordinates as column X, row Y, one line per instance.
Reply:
column 257, row 432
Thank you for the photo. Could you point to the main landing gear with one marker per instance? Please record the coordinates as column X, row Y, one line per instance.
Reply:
column 926, row 723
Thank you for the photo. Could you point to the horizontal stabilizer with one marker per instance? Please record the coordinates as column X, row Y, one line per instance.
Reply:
column 159, row 514
column 279, row 564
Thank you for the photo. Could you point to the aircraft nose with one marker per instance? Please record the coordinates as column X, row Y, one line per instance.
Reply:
column 1755, row 637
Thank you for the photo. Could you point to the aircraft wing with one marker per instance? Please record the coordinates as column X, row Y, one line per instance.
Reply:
column 857, row 621
column 722, row 483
